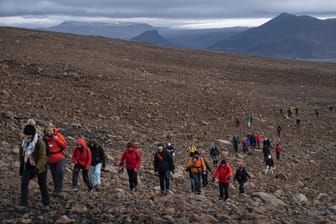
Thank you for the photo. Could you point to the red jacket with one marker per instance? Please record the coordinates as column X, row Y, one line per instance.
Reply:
column 259, row 138
column 82, row 157
column 56, row 147
column 132, row 157
column 278, row 148
column 223, row 173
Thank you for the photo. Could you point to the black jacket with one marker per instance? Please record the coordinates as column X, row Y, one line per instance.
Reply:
column 241, row 175
column 214, row 151
column 163, row 161
column 98, row 155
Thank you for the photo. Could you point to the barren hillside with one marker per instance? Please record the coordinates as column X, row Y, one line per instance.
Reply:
column 116, row 91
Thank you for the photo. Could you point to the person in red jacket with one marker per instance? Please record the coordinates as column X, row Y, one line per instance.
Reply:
column 81, row 157
column 56, row 160
column 224, row 173
column 132, row 157
column 278, row 149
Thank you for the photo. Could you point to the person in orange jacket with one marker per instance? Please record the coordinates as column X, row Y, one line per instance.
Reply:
column 81, row 157
column 197, row 166
column 224, row 173
column 56, row 144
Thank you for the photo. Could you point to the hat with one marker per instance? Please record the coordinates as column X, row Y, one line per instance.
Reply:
column 49, row 128
column 129, row 145
column 29, row 130
column 169, row 144
column 223, row 161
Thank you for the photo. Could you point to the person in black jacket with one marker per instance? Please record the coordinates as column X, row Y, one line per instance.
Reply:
column 241, row 176
column 97, row 164
column 163, row 165
column 214, row 153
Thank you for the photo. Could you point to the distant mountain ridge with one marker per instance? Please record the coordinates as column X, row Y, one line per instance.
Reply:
column 153, row 37
column 117, row 30
column 287, row 36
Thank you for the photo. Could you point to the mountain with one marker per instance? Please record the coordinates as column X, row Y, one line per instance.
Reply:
column 287, row 36
column 153, row 37
column 113, row 30
column 199, row 38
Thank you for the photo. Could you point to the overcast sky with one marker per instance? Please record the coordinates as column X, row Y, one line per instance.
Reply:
column 174, row 13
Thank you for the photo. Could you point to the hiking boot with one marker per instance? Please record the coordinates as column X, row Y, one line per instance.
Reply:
column 74, row 189
column 23, row 209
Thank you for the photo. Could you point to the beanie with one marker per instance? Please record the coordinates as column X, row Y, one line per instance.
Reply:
column 29, row 130
column 223, row 161
column 160, row 146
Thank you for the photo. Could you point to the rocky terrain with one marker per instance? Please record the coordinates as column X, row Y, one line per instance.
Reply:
column 116, row 91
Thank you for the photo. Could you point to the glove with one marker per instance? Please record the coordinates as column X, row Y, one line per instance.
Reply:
column 229, row 178
column 121, row 170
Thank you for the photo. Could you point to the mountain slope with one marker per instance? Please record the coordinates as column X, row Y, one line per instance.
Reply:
column 115, row 91
column 286, row 36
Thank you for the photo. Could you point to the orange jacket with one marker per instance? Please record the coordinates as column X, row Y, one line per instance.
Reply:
column 56, row 147
column 197, row 166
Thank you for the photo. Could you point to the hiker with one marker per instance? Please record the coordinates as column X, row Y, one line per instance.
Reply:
column 132, row 157
column 235, row 140
column 249, row 120
column 171, row 149
column 224, row 173
column 214, row 153
column 82, row 158
column 269, row 164
column 241, row 176
column 205, row 175
column 237, row 120
column 188, row 169
column 245, row 146
column 296, row 111
column 298, row 121
column 253, row 141
column 281, row 111
column 163, row 165
column 191, row 148
column 266, row 142
column 278, row 150
column 317, row 114
column 289, row 112
column 56, row 144
column 278, row 130
column 33, row 163
column 97, row 163
column 197, row 167
column 266, row 151
column 258, row 139
column 331, row 108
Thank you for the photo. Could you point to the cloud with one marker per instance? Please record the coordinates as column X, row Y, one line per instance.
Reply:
column 173, row 10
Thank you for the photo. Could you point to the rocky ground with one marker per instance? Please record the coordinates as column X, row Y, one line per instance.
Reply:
column 116, row 91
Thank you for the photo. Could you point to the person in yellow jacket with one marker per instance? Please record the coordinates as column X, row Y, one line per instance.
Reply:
column 197, row 166
column 191, row 148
